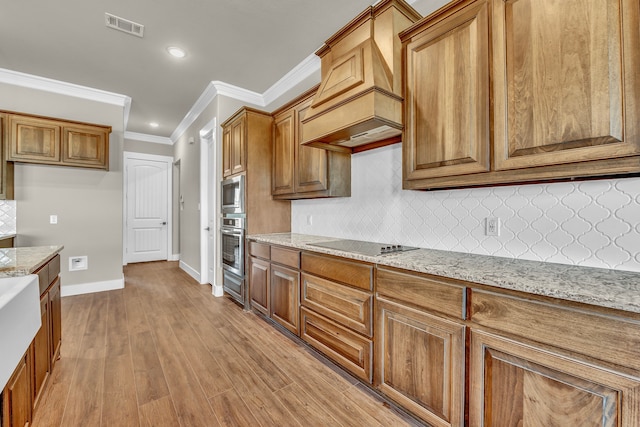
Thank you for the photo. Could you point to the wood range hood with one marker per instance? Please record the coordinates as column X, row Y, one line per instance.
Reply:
column 359, row 101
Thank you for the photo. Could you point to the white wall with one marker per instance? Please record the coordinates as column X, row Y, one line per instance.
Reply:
column 88, row 202
column 588, row 223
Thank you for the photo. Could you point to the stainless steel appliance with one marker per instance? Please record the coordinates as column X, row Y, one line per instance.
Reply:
column 232, row 191
column 232, row 242
column 362, row 247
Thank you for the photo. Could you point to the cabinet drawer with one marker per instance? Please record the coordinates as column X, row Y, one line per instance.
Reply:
column 54, row 268
column 432, row 294
column 348, row 306
column 341, row 270
column 288, row 257
column 260, row 250
column 348, row 349
column 43, row 278
column 605, row 337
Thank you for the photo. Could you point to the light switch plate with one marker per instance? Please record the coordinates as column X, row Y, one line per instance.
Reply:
column 53, row 219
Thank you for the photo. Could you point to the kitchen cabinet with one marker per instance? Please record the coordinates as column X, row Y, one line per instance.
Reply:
column 284, row 294
column 537, row 363
column 22, row 393
column 336, row 311
column 300, row 171
column 16, row 397
column 247, row 150
column 447, row 95
column 6, row 168
column 562, row 100
column 420, row 353
column 41, row 351
column 259, row 277
column 33, row 139
column 274, row 282
column 234, row 146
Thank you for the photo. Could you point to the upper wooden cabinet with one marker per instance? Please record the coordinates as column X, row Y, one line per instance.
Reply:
column 447, row 96
column 6, row 168
column 234, row 146
column 32, row 139
column 301, row 171
column 562, row 103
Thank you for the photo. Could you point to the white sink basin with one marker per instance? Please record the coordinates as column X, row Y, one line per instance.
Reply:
column 19, row 320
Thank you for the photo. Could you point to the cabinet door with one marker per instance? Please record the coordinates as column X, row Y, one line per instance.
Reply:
column 16, row 397
column 41, row 354
column 284, row 143
column 238, row 143
column 85, row 146
column 34, row 140
column 6, row 168
column 514, row 384
column 284, row 302
column 420, row 362
column 447, row 96
column 565, row 81
column 55, row 308
column 226, row 151
column 259, row 276
column 311, row 163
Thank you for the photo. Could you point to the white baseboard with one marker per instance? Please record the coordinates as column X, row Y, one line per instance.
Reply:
column 217, row 290
column 89, row 288
column 174, row 257
column 190, row 271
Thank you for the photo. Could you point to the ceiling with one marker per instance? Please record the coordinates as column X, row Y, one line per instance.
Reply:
column 246, row 43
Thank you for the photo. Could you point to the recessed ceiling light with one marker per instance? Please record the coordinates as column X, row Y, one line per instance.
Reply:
column 176, row 52
column 154, row 124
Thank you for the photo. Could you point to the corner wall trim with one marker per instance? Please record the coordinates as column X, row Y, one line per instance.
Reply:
column 190, row 271
column 91, row 287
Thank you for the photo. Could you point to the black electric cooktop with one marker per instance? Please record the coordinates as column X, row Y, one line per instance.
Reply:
column 362, row 247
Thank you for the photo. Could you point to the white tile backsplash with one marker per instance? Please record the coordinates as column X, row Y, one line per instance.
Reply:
column 588, row 223
column 7, row 216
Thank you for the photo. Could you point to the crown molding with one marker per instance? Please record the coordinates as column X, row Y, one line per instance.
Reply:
column 299, row 73
column 147, row 138
column 308, row 66
column 56, row 86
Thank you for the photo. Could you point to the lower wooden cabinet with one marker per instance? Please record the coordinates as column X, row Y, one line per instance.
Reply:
column 284, row 297
column 274, row 283
column 420, row 362
column 23, row 392
column 42, row 351
column 16, row 397
column 517, row 384
column 259, row 276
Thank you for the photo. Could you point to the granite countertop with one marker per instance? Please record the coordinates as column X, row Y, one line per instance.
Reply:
column 16, row 262
column 596, row 286
column 7, row 236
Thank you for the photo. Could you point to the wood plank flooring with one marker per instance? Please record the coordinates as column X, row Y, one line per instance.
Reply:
column 165, row 352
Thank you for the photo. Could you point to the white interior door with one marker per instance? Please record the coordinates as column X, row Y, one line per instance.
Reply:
column 147, row 206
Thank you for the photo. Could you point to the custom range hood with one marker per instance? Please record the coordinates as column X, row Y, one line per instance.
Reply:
column 359, row 102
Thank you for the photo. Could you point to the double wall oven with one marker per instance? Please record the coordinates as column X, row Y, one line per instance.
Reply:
column 232, row 233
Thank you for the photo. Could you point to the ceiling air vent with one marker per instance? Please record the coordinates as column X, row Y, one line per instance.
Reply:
column 124, row 25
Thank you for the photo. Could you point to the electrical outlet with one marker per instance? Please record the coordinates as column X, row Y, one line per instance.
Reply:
column 53, row 219
column 492, row 226
column 78, row 263
column 309, row 220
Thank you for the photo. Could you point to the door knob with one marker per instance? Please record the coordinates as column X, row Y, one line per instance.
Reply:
column 207, row 228
column 164, row 222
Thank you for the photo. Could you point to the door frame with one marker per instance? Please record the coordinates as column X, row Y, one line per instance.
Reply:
column 128, row 156
column 208, row 206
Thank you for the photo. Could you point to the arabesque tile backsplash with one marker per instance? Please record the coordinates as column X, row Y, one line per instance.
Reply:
column 589, row 223
column 7, row 216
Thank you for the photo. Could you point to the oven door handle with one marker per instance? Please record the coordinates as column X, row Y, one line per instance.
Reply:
column 231, row 232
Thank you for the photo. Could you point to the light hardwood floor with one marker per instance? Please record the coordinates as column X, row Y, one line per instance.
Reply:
column 165, row 352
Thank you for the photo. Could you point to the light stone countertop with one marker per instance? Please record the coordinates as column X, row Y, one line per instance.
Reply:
column 596, row 286
column 15, row 262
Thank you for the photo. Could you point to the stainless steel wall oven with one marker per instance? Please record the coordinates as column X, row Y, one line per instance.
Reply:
column 232, row 234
